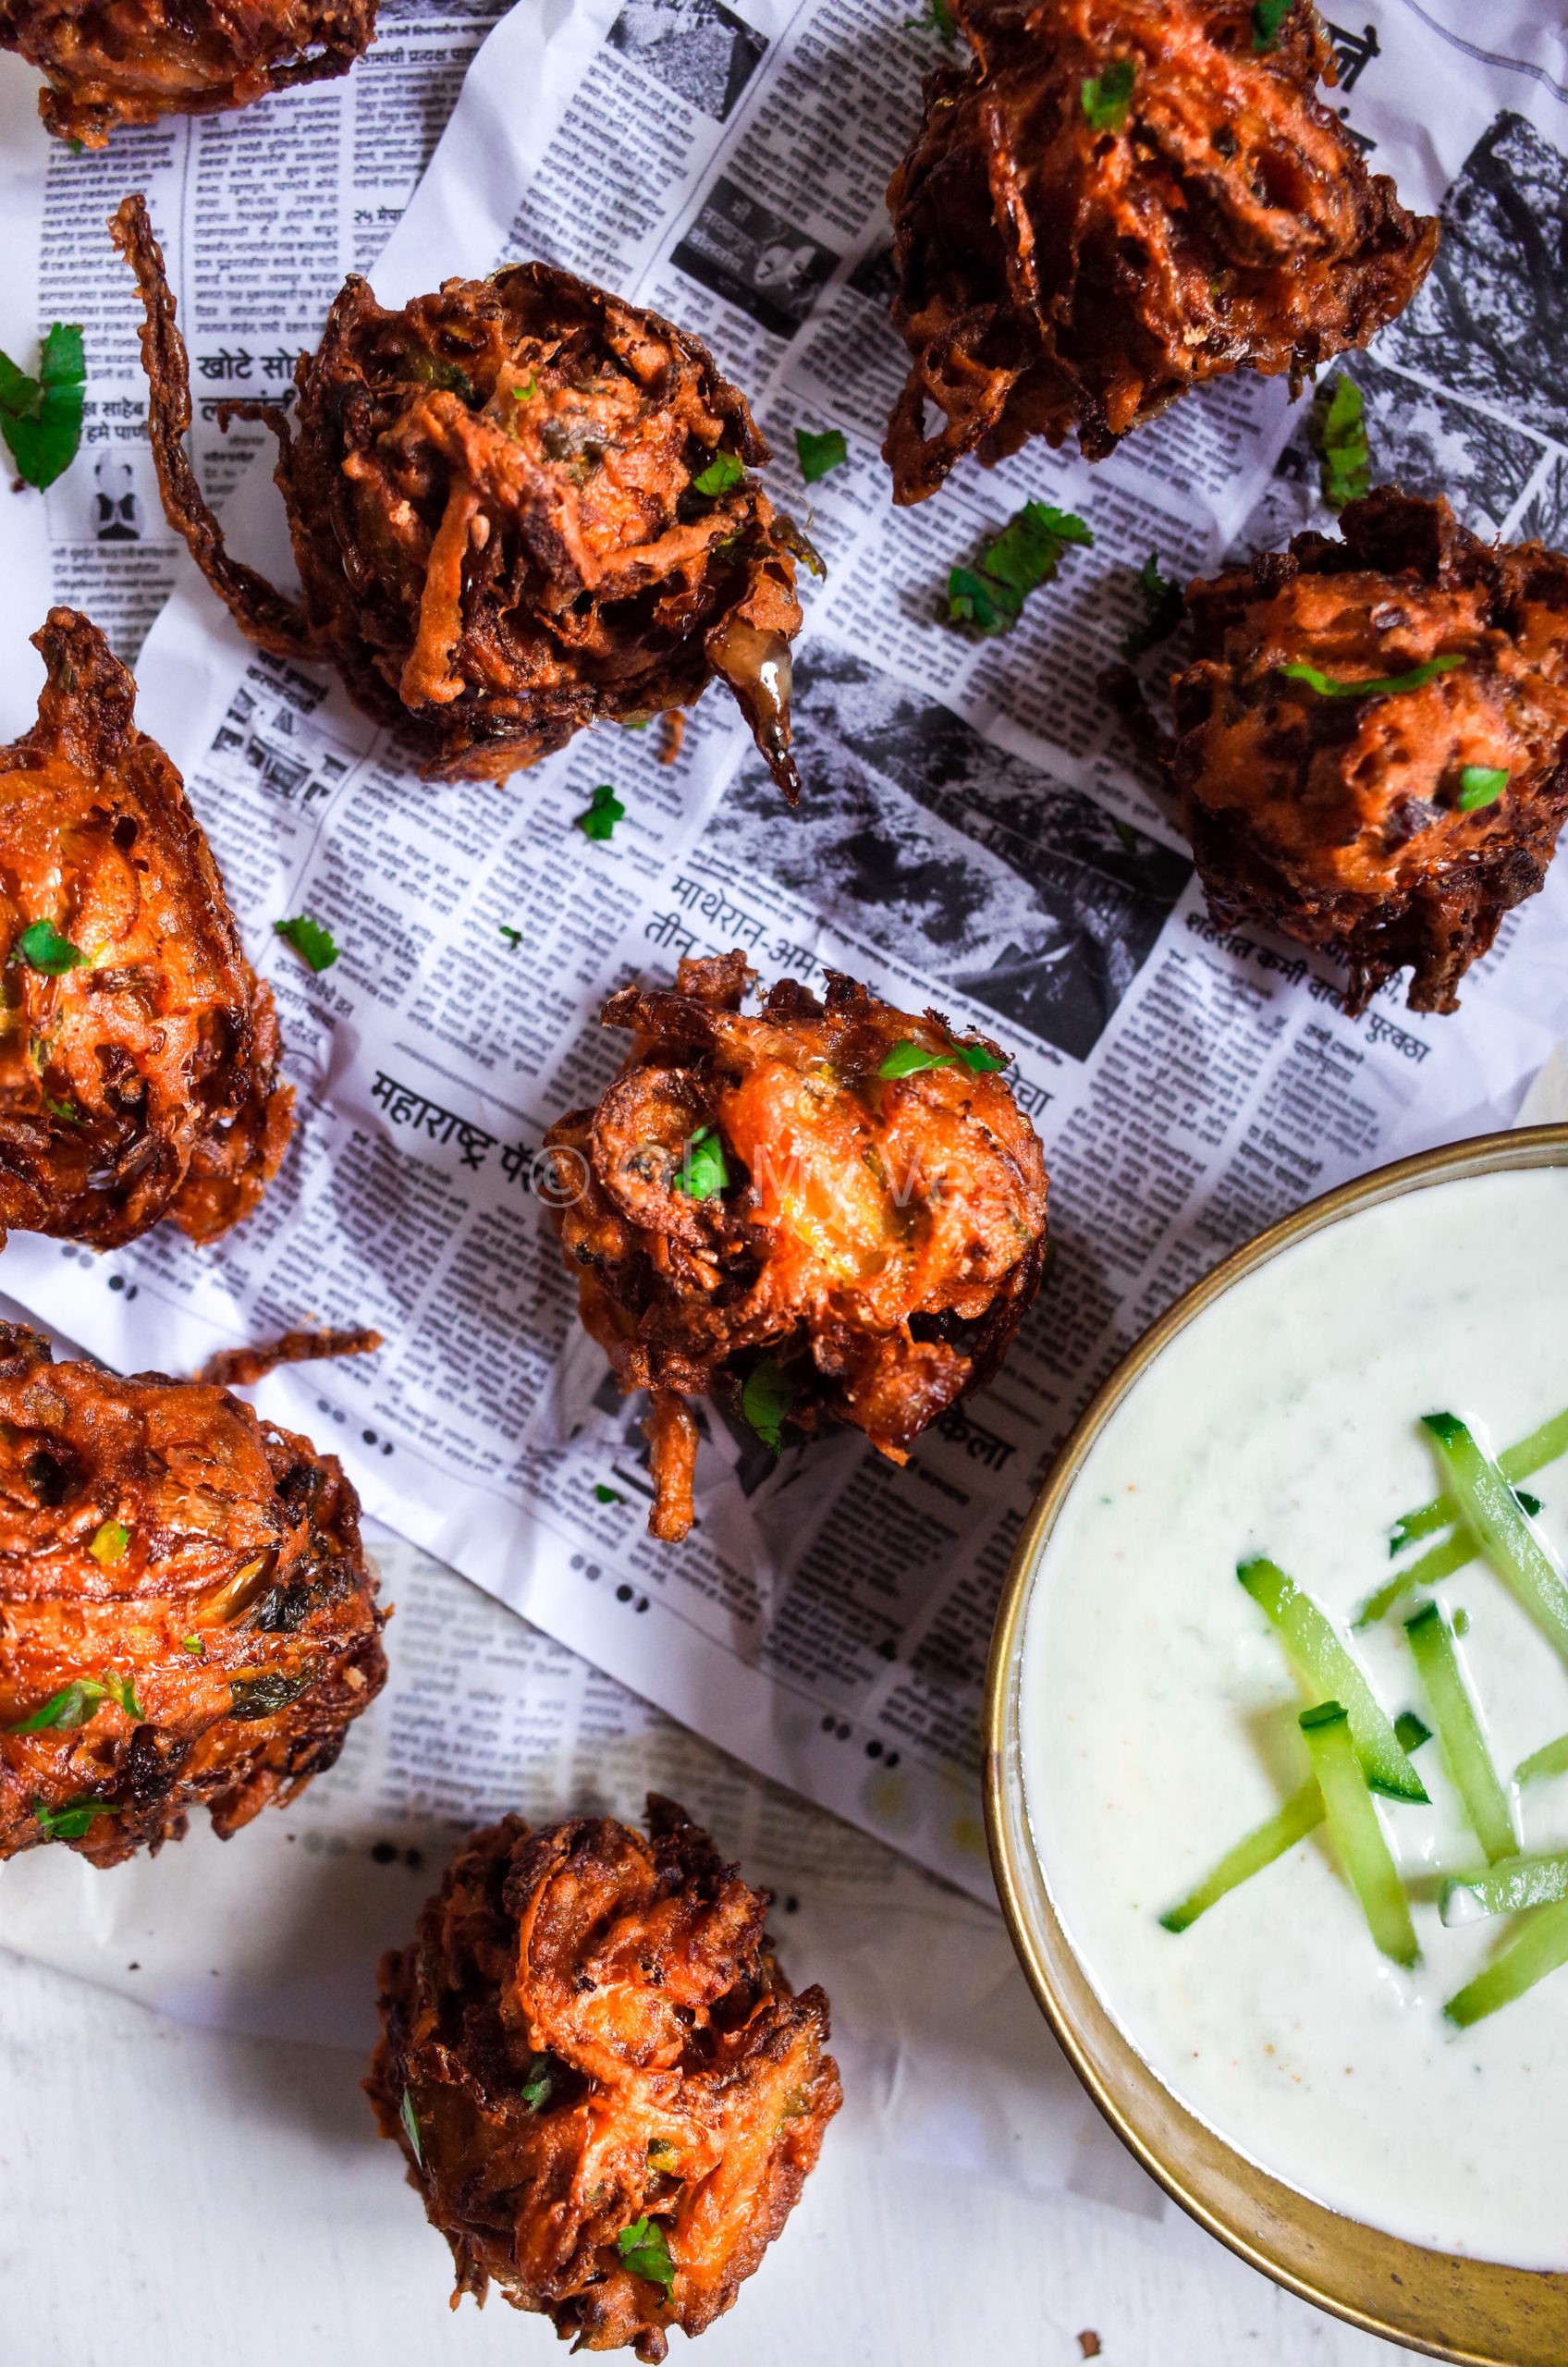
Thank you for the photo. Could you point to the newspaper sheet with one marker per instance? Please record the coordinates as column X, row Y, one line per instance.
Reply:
column 976, row 833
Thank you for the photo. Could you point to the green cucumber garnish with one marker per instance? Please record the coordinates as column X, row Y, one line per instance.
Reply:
column 1506, row 1888
column 1463, row 1744
column 1326, row 1670
column 1540, row 1947
column 1493, row 1514
column 1356, row 1834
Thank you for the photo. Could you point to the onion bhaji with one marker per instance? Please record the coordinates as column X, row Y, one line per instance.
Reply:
column 518, row 506
column 111, row 62
column 1372, row 749
column 605, row 2088
column 1115, row 199
column 186, row 1615
column 815, row 1215
column 138, row 1051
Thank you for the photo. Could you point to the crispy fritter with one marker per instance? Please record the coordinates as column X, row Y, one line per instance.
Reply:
column 186, row 1615
column 518, row 506
column 605, row 2090
column 1378, row 826
column 138, row 1051
column 1115, row 199
column 112, row 62
column 760, row 1213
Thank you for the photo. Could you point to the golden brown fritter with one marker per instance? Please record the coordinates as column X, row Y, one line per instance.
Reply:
column 1394, row 825
column 605, row 2090
column 186, row 1617
column 816, row 1215
column 1115, row 199
column 518, row 506
column 112, row 62
column 138, row 1051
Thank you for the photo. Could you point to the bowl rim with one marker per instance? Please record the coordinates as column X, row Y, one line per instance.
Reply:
column 1475, row 2313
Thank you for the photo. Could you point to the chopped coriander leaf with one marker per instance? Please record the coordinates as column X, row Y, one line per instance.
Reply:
column 1268, row 18
column 603, row 811
column 1480, row 785
column 66, row 1110
column 725, row 468
column 409, row 2119
column 41, row 418
column 938, row 19
column 108, row 1542
column 818, row 454
column 312, row 942
column 1384, row 686
column 540, row 2080
column 1107, row 96
column 512, row 935
column 703, row 1171
column 122, row 1692
column 645, row 2250
column 71, row 1821
column 526, row 394
column 975, row 1057
column 766, row 1401
column 1164, row 608
column 43, row 948
column 1340, row 426
column 908, row 1059
column 657, row 2145
column 608, row 1495
column 989, row 596
column 75, row 1705
column 194, row 1644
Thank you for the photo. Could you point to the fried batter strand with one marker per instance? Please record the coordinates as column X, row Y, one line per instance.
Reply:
column 1115, row 199
column 1391, row 812
column 815, row 1216
column 138, row 1051
column 186, row 1615
column 606, row 2093
column 111, row 62
column 518, row 506
column 242, row 1367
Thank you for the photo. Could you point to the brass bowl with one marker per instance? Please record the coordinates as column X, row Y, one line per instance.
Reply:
column 1470, row 2311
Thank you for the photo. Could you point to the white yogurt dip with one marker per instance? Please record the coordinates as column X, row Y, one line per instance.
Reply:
column 1158, row 1715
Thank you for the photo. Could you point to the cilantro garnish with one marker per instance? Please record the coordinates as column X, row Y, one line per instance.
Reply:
column 540, row 2080
column 645, row 2250
column 657, row 2145
column 66, row 1110
column 312, row 942
column 818, row 454
column 41, row 418
column 409, row 2119
column 990, row 596
column 108, row 1542
column 1267, row 21
column 122, row 1693
column 71, row 1821
column 608, row 1495
column 526, row 394
column 1409, row 1732
column 724, row 469
column 1107, row 96
column 1164, row 608
column 938, row 19
column 1384, row 687
column 908, row 1059
column 765, row 1400
column 605, row 810
column 1340, row 426
column 1480, row 785
column 75, row 1705
column 703, row 1171
column 194, row 1644
column 43, row 948
column 512, row 935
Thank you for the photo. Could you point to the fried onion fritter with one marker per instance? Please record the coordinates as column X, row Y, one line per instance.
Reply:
column 112, row 62
column 518, row 506
column 139, row 1051
column 1394, row 825
column 605, row 2090
column 186, row 1614
column 1115, row 199
column 815, row 1215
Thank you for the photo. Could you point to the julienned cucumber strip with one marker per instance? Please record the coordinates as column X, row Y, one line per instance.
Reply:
column 1551, row 1760
column 1355, row 1832
column 1463, row 1744
column 1440, row 1562
column 1301, row 1814
column 1487, row 1507
column 1507, row 1888
column 1515, row 1462
column 1540, row 1947
column 1326, row 1670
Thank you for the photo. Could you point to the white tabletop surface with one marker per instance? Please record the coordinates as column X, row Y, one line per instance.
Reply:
column 171, row 2195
